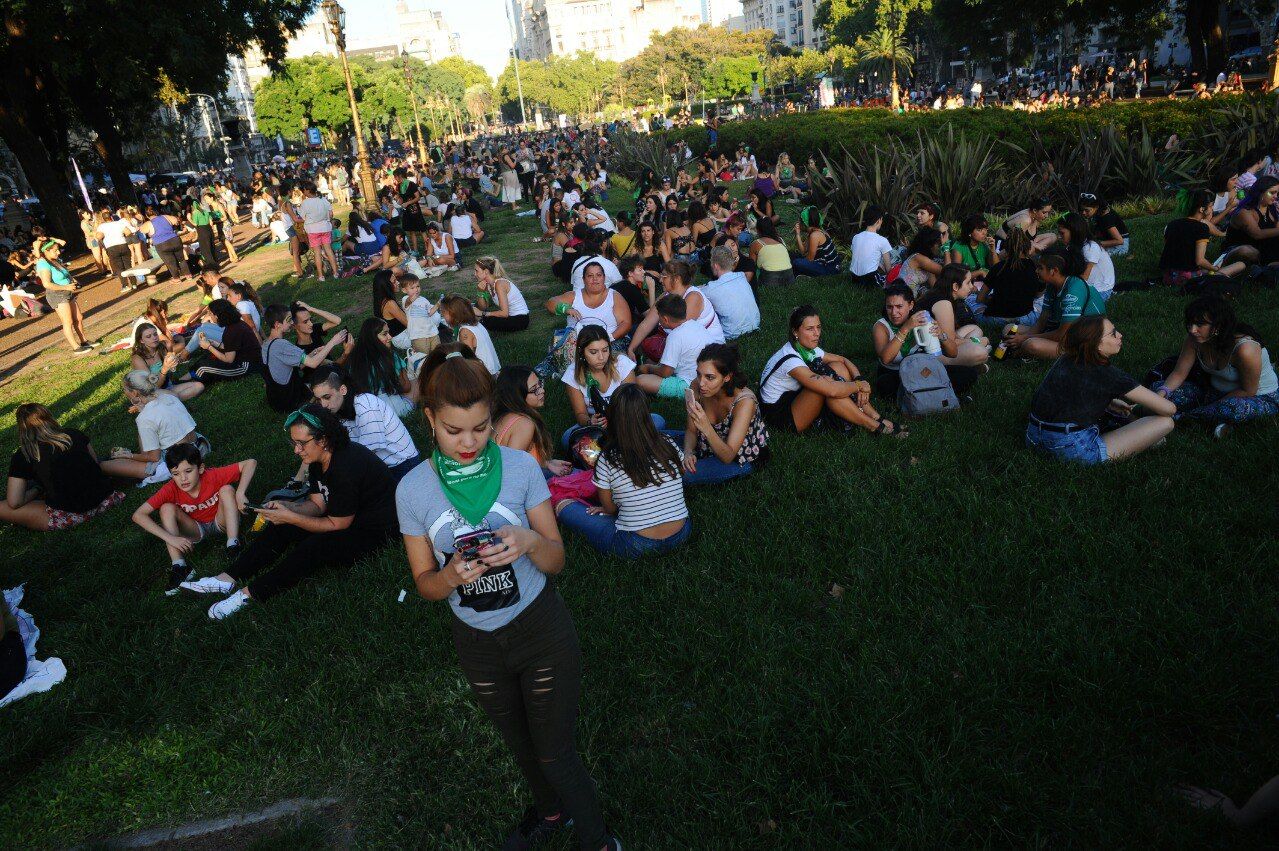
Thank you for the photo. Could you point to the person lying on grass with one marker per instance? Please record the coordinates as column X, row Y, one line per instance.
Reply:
column 193, row 504
column 518, row 400
column 639, row 474
column 685, row 338
column 55, row 481
column 480, row 532
column 1066, row 300
column 804, row 386
column 726, row 436
column 1223, row 374
column 1078, row 391
column 348, row 514
column 163, row 421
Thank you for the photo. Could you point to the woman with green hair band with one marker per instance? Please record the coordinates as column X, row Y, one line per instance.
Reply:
column 817, row 256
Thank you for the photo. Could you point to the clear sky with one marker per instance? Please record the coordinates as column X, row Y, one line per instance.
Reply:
column 481, row 25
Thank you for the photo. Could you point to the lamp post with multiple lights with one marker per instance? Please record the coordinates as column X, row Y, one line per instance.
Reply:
column 335, row 16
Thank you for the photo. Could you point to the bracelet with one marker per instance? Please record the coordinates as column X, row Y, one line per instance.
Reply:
column 561, row 309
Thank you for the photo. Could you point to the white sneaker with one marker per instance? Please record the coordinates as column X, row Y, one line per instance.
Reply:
column 229, row 606
column 209, row 585
column 454, row 268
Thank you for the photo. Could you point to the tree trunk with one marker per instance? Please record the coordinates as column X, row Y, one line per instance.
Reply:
column 110, row 148
column 896, row 94
column 1195, row 35
column 1214, row 40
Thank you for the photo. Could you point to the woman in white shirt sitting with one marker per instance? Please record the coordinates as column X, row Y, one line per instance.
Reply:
column 640, row 478
column 463, row 225
column 1098, row 270
column 504, row 308
column 163, row 421
column 595, row 374
column 460, row 316
column 441, row 248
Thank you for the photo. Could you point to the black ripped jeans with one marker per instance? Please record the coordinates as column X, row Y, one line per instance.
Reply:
column 527, row 676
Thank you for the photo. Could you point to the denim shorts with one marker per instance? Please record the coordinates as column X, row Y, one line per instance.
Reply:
column 1080, row 447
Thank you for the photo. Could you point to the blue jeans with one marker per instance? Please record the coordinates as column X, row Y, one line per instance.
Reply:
column 997, row 323
column 600, row 531
column 804, row 266
column 211, row 332
column 1082, row 447
column 567, row 440
column 711, row 470
column 402, row 469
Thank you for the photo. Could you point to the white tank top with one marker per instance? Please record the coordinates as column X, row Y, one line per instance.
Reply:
column 515, row 303
column 441, row 248
column 602, row 315
column 460, row 227
column 483, row 347
column 709, row 319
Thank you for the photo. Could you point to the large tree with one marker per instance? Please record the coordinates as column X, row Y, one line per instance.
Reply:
column 103, row 65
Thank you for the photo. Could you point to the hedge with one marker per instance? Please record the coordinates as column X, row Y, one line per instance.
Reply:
column 805, row 133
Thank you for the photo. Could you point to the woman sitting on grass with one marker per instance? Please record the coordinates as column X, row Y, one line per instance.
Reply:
column 479, row 531
column 1224, row 375
column 55, row 481
column 1107, row 227
column 650, row 337
column 1255, row 225
column 151, row 354
column 595, row 374
column 193, row 504
column 1185, row 251
column 163, row 421
column 893, row 337
column 1077, row 392
column 804, row 386
column 962, row 341
column 460, row 316
column 1088, row 260
column 348, row 515
column 376, row 367
column 928, row 215
column 648, row 246
column 504, row 308
column 391, row 254
column 817, row 256
column 975, row 248
column 919, row 267
column 1012, row 291
column 1067, row 298
column 726, row 436
column 238, row 354
column 772, row 260
column 517, row 420
column 641, row 486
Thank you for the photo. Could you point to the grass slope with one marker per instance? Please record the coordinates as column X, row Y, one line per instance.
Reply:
column 1024, row 653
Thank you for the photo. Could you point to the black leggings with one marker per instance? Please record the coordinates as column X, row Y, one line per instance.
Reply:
column 527, row 676
column 213, row 373
column 118, row 256
column 504, row 324
column 208, row 249
column 13, row 660
column 174, row 257
column 310, row 552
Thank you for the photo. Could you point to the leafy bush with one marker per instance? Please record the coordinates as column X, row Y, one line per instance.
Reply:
column 633, row 152
column 964, row 174
column 882, row 176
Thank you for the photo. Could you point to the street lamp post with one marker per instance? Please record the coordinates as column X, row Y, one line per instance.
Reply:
column 335, row 16
column 417, row 120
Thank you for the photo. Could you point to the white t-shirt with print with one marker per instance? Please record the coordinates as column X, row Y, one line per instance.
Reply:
column 625, row 366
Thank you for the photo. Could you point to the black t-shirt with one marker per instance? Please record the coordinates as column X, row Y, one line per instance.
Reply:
column 635, row 298
column 1180, row 237
column 1014, row 287
column 1078, row 393
column 71, row 479
column 745, row 265
column 357, row 484
column 239, row 338
column 8, row 274
column 1103, row 222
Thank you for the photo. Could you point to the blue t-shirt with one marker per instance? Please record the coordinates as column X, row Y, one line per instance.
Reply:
column 1075, row 299
column 377, row 224
column 497, row 597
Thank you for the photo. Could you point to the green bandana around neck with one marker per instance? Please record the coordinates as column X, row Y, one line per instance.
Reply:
column 807, row 355
column 471, row 488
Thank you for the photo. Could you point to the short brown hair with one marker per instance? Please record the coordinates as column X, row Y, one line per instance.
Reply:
column 456, row 307
column 1083, row 341
column 681, row 270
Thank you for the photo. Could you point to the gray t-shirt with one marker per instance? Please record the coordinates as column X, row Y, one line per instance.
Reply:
column 497, row 597
column 281, row 358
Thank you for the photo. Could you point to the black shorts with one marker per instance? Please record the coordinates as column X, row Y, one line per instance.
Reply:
column 56, row 296
column 777, row 415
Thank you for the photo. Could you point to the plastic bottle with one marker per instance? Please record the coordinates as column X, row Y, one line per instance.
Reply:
column 1002, row 348
column 925, row 339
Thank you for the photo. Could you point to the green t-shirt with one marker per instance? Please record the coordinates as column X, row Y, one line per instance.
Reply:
column 974, row 259
column 1074, row 300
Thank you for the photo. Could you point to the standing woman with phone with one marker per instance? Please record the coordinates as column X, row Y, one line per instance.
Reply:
column 480, row 532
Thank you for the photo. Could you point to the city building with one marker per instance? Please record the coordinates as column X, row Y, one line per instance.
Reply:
column 381, row 53
column 609, row 29
column 791, row 20
column 314, row 39
column 719, row 13
column 239, row 93
column 424, row 33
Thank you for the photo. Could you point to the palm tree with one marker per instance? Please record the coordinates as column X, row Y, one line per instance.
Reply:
column 885, row 49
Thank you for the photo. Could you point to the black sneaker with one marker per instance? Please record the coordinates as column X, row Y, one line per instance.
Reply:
column 233, row 552
column 534, row 830
column 178, row 574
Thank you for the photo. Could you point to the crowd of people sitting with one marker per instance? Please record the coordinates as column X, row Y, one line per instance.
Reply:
column 480, row 513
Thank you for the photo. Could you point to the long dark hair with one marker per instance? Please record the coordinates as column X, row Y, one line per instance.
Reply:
column 728, row 363
column 371, row 366
column 383, row 290
column 1220, row 314
column 1077, row 226
column 633, row 444
column 511, row 397
column 951, row 274
column 1252, row 198
column 926, row 241
column 330, row 428
column 355, row 223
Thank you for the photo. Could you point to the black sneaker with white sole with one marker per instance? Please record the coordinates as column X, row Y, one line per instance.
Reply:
column 533, row 830
column 178, row 573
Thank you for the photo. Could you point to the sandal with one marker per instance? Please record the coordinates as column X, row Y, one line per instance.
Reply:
column 888, row 428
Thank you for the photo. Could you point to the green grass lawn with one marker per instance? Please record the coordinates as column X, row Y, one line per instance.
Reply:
column 1023, row 653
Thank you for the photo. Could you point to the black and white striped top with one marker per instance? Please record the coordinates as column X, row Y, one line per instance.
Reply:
column 642, row 508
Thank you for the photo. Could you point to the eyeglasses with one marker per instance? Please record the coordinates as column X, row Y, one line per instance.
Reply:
column 298, row 444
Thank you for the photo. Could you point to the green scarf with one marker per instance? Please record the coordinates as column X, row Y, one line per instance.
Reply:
column 807, row 355
column 471, row 488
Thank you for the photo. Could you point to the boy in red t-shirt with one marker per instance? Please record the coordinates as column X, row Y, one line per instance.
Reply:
column 194, row 503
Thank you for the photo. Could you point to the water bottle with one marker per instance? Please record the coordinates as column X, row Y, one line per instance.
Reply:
column 1002, row 348
column 924, row 337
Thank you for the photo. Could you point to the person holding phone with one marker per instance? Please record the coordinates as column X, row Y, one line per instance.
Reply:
column 480, row 532
column 348, row 514
column 726, row 436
